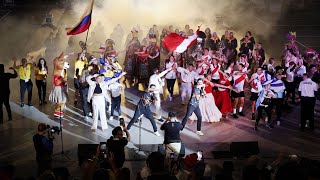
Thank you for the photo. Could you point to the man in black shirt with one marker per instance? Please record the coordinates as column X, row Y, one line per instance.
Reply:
column 44, row 147
column 116, row 144
column 172, row 128
column 5, row 90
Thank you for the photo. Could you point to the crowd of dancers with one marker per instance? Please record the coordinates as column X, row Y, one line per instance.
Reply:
column 212, row 75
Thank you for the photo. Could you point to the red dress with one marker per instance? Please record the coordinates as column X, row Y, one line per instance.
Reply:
column 222, row 97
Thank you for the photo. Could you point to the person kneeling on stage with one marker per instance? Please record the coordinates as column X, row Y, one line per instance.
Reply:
column 116, row 144
column 44, row 147
column 263, row 103
column 143, row 108
column 172, row 128
column 193, row 106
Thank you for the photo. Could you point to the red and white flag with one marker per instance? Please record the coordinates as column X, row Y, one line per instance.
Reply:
column 178, row 43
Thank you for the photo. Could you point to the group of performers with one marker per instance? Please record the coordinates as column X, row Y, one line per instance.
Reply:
column 211, row 74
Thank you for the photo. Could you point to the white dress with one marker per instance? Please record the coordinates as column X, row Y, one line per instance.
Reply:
column 208, row 108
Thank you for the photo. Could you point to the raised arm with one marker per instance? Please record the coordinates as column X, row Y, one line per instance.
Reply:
column 113, row 80
column 165, row 72
column 89, row 81
column 14, row 59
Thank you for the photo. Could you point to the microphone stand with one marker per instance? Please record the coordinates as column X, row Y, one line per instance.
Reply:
column 62, row 151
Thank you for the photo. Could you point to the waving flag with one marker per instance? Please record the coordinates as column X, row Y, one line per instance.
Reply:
column 178, row 43
column 84, row 23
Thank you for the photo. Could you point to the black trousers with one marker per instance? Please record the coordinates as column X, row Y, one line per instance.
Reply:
column 145, row 110
column 278, row 104
column 190, row 110
column 23, row 87
column 170, row 85
column 267, row 110
column 307, row 111
column 86, row 107
column 4, row 99
column 115, row 105
column 42, row 87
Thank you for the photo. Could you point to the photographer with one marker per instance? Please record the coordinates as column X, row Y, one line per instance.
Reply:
column 116, row 144
column 171, row 128
column 44, row 147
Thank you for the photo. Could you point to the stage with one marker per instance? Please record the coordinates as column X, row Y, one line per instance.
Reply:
column 17, row 146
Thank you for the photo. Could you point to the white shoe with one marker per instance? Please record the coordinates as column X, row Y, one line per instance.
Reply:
column 120, row 117
column 266, row 119
column 111, row 118
column 156, row 133
column 86, row 117
column 90, row 114
column 199, row 133
column 170, row 98
column 278, row 123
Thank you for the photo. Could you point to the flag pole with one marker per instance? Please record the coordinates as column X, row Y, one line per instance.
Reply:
column 85, row 43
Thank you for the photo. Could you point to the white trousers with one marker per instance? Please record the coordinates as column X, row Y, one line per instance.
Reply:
column 172, row 148
column 158, row 105
column 186, row 90
column 99, row 109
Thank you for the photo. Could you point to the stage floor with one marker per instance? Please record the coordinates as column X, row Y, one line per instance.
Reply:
column 17, row 147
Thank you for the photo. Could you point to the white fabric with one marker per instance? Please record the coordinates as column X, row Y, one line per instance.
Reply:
column 240, row 85
column 172, row 148
column 185, row 43
column 301, row 70
column 307, row 88
column 103, row 85
column 257, row 80
column 58, row 94
column 157, row 81
column 290, row 59
column 99, row 110
column 290, row 75
column 158, row 105
column 115, row 89
column 216, row 75
column 208, row 109
column 171, row 74
column 186, row 90
column 187, row 76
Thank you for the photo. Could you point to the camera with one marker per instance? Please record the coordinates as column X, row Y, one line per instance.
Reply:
column 104, row 149
column 53, row 130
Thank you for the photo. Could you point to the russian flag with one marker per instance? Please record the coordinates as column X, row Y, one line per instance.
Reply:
column 84, row 23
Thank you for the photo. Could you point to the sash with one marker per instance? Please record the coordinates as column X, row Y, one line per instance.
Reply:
column 202, row 71
column 215, row 70
column 240, row 79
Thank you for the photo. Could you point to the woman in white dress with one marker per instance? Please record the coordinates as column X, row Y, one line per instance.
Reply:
column 209, row 111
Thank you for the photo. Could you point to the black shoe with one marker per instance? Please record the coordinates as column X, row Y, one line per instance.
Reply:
column 241, row 113
column 269, row 126
column 256, row 128
column 45, row 102
column 22, row 104
column 29, row 104
column 253, row 117
column 10, row 119
column 40, row 103
column 235, row 116
column 160, row 120
column 75, row 103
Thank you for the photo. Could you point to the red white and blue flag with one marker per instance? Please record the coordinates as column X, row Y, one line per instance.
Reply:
column 178, row 43
column 84, row 23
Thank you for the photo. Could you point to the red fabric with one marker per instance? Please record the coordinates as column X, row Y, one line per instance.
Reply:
column 215, row 70
column 202, row 71
column 173, row 40
column 191, row 160
column 208, row 88
column 222, row 98
column 144, row 55
column 241, row 78
column 55, row 80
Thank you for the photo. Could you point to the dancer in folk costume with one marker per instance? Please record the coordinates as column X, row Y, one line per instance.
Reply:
column 59, row 93
column 208, row 108
column 222, row 95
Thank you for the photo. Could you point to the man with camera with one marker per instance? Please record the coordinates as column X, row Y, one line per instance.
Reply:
column 116, row 144
column 143, row 108
column 172, row 128
column 44, row 147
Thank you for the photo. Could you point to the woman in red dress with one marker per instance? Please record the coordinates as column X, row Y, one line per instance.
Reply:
column 222, row 96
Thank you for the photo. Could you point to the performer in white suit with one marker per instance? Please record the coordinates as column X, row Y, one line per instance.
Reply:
column 187, row 78
column 156, row 79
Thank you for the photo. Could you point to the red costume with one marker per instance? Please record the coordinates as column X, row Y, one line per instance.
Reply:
column 222, row 96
